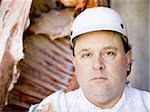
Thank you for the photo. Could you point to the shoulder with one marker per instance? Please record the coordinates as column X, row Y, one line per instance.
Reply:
column 141, row 97
column 46, row 104
column 138, row 92
column 54, row 101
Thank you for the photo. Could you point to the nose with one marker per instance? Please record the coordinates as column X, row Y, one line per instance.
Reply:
column 98, row 63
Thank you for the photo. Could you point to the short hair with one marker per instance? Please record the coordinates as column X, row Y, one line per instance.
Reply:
column 126, row 45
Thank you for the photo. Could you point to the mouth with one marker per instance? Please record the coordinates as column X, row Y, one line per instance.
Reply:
column 100, row 78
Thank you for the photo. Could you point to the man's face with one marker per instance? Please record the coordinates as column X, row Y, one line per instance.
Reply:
column 101, row 65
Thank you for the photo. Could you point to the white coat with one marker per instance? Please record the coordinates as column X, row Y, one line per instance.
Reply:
column 132, row 100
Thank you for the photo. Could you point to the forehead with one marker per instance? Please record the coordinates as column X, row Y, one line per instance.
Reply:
column 98, row 39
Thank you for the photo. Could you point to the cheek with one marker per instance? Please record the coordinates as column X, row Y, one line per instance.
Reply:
column 83, row 65
column 82, row 71
column 118, row 69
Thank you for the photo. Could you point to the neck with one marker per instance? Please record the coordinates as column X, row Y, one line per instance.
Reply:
column 109, row 103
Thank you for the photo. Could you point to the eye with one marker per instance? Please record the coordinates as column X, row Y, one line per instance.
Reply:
column 86, row 55
column 109, row 53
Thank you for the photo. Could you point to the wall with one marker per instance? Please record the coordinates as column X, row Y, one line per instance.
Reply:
column 135, row 14
column 149, row 39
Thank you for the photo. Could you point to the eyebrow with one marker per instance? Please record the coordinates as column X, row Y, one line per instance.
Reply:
column 110, row 47
column 105, row 48
column 83, row 50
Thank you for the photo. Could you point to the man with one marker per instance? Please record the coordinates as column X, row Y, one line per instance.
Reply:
column 102, row 60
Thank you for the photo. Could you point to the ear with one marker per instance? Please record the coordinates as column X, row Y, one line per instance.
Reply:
column 129, row 59
column 74, row 62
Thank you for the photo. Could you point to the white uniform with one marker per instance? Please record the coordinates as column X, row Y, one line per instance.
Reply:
column 132, row 100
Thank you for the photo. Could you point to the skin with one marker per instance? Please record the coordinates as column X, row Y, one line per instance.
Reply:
column 101, row 66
